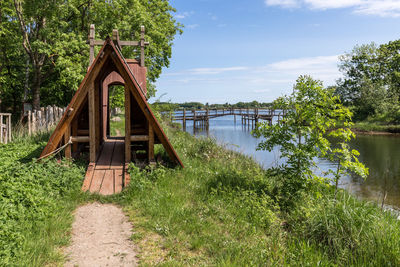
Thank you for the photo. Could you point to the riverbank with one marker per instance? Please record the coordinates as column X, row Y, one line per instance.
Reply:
column 224, row 209
column 221, row 209
column 373, row 128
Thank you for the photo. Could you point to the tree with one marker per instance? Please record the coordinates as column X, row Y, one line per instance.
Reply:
column 53, row 36
column 301, row 135
column 12, row 63
column 372, row 80
column 358, row 65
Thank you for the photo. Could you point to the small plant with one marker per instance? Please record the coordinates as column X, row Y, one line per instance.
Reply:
column 311, row 112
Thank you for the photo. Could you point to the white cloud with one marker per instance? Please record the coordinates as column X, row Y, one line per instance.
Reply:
column 184, row 15
column 246, row 83
column 383, row 8
column 327, row 4
column 192, row 26
column 283, row 3
column 205, row 71
column 308, row 63
column 212, row 16
column 258, row 91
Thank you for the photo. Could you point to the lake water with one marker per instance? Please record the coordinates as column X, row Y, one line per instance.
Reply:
column 381, row 154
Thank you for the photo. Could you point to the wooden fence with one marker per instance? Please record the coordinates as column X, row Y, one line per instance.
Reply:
column 5, row 128
column 44, row 119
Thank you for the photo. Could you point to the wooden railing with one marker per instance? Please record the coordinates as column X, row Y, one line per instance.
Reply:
column 5, row 128
column 44, row 118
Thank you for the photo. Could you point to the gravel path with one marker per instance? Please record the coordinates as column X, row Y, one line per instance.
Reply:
column 100, row 237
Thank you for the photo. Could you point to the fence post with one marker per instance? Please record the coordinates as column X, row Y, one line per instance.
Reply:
column 9, row 128
column 39, row 119
column 33, row 122
column 1, row 128
column 29, row 122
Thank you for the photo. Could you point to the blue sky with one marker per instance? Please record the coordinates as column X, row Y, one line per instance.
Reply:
column 235, row 50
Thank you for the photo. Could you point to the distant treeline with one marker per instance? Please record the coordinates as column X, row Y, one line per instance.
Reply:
column 166, row 106
column 370, row 85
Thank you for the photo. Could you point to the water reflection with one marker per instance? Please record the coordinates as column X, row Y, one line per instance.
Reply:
column 380, row 154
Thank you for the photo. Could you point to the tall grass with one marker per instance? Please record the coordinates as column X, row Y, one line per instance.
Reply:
column 36, row 200
column 223, row 209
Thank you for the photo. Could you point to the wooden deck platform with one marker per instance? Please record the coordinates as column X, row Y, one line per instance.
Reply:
column 109, row 174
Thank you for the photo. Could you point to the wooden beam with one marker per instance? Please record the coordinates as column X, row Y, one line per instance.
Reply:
column 127, row 125
column 150, row 144
column 97, row 111
column 67, row 136
column 115, row 37
column 91, row 42
column 92, row 124
column 80, row 139
column 74, row 132
column 129, row 43
column 121, row 43
column 75, row 103
column 136, row 138
column 140, row 99
column 142, row 46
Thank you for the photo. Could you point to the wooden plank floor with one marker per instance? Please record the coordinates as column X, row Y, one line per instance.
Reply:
column 108, row 176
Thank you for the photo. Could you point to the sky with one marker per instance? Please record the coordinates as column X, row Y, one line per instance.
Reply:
column 233, row 50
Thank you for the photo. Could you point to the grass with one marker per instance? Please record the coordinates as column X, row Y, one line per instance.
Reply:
column 36, row 201
column 375, row 127
column 222, row 209
column 117, row 126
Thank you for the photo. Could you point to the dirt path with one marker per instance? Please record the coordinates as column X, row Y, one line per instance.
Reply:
column 100, row 237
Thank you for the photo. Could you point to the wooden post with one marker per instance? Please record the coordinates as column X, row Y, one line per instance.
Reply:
column 150, row 148
column 67, row 136
column 194, row 121
column 1, row 129
column 97, row 116
column 9, row 128
column 92, row 124
column 29, row 122
column 127, row 125
column 74, row 130
column 46, row 117
column 39, row 119
column 142, row 46
column 33, row 122
column 91, row 43
column 184, row 120
column 207, row 118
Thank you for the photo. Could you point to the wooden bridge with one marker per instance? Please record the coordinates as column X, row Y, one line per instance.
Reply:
column 249, row 117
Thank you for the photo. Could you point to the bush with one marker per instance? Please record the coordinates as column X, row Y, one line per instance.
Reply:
column 30, row 192
column 348, row 231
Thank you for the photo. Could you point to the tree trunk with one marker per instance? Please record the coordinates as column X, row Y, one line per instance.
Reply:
column 36, row 88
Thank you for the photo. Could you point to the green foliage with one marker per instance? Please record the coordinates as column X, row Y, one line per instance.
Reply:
column 347, row 230
column 30, row 194
column 117, row 128
column 223, row 209
column 52, row 37
column 301, row 135
column 117, row 97
column 371, row 81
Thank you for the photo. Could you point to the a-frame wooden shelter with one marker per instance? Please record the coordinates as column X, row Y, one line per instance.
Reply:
column 83, row 122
